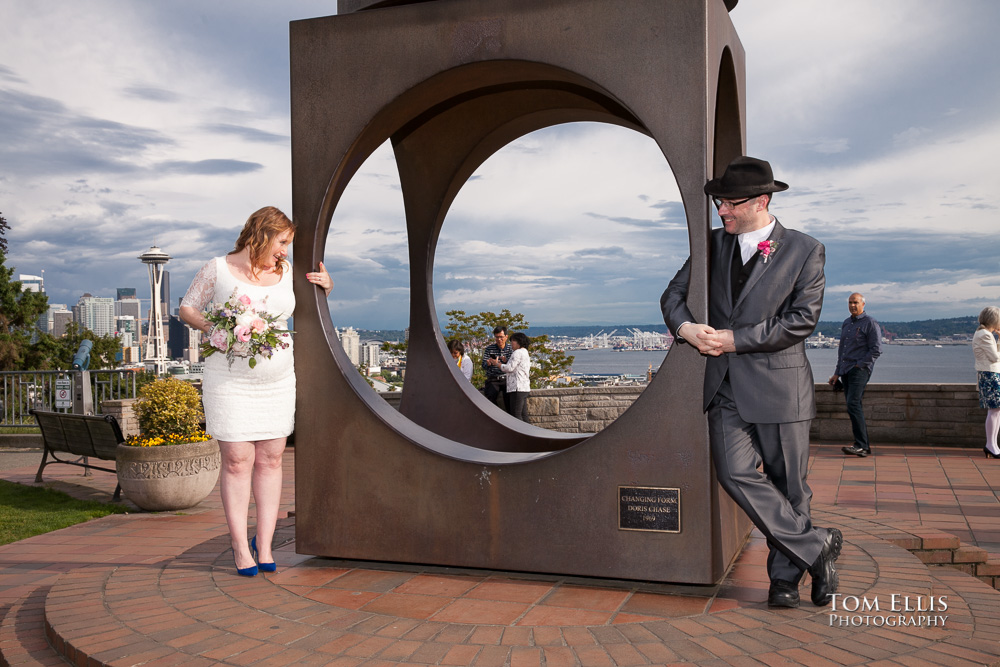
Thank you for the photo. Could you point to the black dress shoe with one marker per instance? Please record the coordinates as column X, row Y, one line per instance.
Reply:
column 783, row 594
column 855, row 450
column 823, row 571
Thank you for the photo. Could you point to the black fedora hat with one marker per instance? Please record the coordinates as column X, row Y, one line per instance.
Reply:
column 745, row 177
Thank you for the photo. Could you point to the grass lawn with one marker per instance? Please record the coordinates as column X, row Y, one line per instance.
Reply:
column 29, row 510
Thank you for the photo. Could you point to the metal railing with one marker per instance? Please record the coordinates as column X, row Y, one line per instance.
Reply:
column 21, row 391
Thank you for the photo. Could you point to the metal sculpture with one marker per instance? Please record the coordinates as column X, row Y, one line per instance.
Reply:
column 449, row 479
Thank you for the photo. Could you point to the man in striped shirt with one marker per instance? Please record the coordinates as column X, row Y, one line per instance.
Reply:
column 496, row 380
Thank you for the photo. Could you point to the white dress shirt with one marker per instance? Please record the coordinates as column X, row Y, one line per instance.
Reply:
column 750, row 240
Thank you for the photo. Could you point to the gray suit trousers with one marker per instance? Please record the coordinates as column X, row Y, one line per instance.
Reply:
column 777, row 498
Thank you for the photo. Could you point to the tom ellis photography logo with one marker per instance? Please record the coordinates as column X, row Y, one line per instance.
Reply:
column 922, row 611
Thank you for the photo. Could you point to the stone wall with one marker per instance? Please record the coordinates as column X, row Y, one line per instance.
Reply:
column 926, row 414
column 579, row 409
column 915, row 414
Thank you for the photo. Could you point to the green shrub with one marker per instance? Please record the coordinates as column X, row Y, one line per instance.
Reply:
column 169, row 407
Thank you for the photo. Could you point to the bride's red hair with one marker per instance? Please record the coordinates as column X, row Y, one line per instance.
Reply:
column 259, row 231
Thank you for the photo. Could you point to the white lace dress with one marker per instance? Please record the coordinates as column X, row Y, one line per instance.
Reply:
column 243, row 403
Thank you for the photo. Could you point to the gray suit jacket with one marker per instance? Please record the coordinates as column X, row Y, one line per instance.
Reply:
column 777, row 310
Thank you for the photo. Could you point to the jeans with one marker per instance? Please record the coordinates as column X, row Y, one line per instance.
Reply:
column 854, row 390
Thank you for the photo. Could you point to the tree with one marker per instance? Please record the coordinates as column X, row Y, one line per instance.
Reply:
column 104, row 353
column 19, row 312
column 3, row 235
column 476, row 332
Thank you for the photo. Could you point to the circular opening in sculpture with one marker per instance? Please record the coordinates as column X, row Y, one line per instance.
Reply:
column 366, row 255
column 578, row 228
column 436, row 165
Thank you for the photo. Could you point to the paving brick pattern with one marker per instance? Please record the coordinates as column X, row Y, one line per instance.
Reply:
column 160, row 589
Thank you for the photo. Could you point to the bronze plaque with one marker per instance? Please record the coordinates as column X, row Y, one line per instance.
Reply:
column 649, row 508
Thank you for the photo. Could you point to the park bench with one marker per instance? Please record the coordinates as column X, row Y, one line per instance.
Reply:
column 87, row 436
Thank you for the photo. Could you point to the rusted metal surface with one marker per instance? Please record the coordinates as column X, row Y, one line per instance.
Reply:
column 450, row 479
column 348, row 6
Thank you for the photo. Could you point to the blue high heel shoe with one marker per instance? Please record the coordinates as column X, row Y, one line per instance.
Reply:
column 247, row 571
column 264, row 567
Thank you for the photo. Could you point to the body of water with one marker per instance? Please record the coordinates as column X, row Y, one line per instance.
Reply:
column 898, row 363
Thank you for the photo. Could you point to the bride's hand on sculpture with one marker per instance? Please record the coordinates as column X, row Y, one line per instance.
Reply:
column 321, row 279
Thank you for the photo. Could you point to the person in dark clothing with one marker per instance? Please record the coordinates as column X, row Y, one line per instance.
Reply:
column 496, row 379
column 860, row 346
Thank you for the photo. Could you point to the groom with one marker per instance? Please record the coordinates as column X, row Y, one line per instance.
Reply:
column 765, row 293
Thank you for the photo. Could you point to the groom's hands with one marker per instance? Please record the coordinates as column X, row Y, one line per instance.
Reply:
column 708, row 340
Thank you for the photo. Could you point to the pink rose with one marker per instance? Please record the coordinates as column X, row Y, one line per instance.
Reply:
column 258, row 325
column 219, row 339
column 245, row 300
column 242, row 333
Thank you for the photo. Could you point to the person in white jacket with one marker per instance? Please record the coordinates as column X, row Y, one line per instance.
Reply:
column 517, row 370
column 984, row 348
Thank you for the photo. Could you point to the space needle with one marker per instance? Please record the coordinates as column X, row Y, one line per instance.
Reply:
column 156, row 346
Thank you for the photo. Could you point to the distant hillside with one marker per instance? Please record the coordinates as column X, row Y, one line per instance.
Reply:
column 582, row 331
column 926, row 328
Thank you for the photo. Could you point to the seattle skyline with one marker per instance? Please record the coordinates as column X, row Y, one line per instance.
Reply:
column 125, row 125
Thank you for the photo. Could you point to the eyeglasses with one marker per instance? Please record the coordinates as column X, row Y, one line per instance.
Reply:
column 732, row 204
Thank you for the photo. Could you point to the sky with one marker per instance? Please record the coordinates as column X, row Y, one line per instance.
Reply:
column 125, row 124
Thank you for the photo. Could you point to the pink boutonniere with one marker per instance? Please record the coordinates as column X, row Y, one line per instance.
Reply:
column 766, row 249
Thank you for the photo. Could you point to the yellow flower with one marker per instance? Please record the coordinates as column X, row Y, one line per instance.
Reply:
column 171, row 439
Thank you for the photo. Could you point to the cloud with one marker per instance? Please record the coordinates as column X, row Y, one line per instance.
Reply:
column 614, row 251
column 214, row 167
column 830, row 146
column 9, row 75
column 151, row 94
column 247, row 133
column 909, row 136
column 43, row 136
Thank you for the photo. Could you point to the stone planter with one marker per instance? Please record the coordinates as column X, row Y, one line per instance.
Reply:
column 168, row 477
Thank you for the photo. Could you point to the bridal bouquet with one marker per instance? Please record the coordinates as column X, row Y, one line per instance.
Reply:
column 243, row 329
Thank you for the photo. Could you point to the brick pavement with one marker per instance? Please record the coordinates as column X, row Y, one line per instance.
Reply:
column 159, row 589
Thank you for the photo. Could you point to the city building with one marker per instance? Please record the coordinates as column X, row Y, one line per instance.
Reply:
column 59, row 321
column 165, row 297
column 35, row 284
column 351, row 341
column 96, row 313
column 128, row 328
column 32, row 283
column 371, row 353
column 184, row 341
column 47, row 320
column 127, row 304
